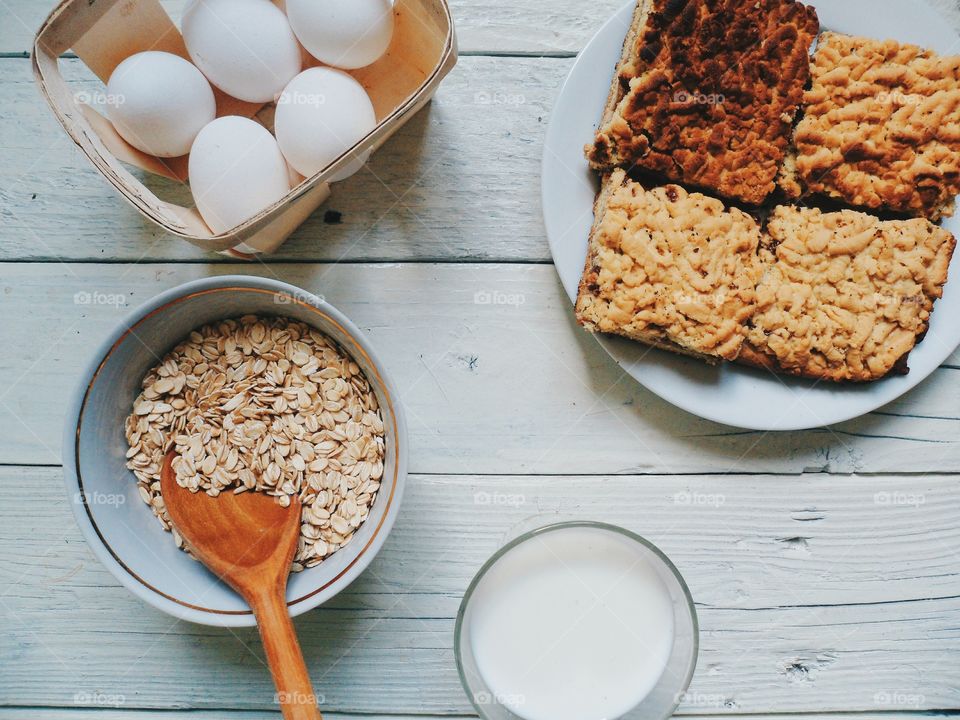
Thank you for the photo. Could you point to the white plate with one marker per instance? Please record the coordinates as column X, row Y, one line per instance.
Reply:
column 729, row 394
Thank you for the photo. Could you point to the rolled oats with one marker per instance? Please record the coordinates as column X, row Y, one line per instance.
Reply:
column 269, row 405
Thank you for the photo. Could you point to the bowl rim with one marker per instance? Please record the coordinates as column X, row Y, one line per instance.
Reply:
column 112, row 560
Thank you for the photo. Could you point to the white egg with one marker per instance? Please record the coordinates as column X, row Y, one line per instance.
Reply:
column 244, row 47
column 236, row 170
column 158, row 102
column 320, row 115
column 347, row 34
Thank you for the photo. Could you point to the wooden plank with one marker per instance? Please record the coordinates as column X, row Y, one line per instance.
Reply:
column 821, row 598
column 491, row 26
column 101, row 714
column 501, row 26
column 460, row 182
column 488, row 387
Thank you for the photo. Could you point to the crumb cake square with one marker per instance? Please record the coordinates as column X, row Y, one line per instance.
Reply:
column 707, row 92
column 845, row 296
column 881, row 127
column 669, row 268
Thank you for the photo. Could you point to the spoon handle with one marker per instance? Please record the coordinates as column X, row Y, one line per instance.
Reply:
column 290, row 676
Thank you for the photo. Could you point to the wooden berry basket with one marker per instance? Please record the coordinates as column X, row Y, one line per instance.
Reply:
column 104, row 32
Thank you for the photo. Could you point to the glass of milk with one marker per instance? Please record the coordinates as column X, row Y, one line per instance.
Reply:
column 577, row 621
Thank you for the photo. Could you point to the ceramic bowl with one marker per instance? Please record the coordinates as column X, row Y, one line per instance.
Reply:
column 121, row 529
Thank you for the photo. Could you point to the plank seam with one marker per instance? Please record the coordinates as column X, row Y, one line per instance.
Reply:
column 806, row 474
column 96, row 712
column 506, row 54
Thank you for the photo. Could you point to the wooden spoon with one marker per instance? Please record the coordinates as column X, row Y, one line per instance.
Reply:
column 248, row 541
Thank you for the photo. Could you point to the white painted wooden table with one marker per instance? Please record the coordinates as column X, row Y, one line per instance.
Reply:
column 825, row 565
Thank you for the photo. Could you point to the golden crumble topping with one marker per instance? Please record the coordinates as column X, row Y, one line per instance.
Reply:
column 670, row 268
column 881, row 128
column 845, row 296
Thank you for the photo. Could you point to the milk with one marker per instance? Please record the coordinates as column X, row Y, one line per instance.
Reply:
column 572, row 624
